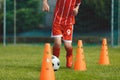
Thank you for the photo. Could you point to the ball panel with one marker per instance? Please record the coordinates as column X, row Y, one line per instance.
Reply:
column 55, row 63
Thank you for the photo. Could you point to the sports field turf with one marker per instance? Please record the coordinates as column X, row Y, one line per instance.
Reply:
column 23, row 62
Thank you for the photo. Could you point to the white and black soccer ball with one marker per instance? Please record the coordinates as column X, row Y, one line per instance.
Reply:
column 55, row 63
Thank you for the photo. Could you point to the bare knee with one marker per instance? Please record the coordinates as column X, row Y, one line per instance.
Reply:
column 68, row 45
column 57, row 42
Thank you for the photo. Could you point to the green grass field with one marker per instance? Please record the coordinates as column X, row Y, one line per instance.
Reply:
column 23, row 62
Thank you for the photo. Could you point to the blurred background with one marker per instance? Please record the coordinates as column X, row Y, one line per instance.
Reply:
column 22, row 21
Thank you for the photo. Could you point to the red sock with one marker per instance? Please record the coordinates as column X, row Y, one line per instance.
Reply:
column 69, row 51
column 69, row 57
column 56, row 51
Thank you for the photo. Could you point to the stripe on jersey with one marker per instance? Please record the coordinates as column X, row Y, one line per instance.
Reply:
column 68, row 12
column 62, row 11
column 57, row 11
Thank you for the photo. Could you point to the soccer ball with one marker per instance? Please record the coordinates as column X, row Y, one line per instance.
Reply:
column 55, row 63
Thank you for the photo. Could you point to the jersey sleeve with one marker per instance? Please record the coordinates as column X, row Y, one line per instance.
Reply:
column 78, row 2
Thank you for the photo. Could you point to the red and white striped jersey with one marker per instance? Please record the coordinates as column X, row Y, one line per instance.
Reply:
column 63, row 13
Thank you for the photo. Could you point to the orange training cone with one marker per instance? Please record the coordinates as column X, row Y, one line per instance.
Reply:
column 80, row 60
column 104, row 58
column 47, row 72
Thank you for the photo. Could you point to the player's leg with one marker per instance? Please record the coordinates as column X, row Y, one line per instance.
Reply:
column 56, row 34
column 56, row 46
column 69, row 54
column 67, row 37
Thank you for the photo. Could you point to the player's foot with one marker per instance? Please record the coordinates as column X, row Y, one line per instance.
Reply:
column 69, row 61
